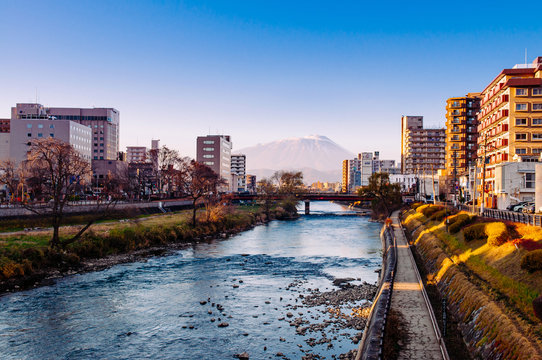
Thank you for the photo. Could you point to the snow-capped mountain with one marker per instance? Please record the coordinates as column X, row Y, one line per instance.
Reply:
column 317, row 156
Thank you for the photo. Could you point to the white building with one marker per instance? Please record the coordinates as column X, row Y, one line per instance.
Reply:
column 514, row 182
column 22, row 132
column 238, row 173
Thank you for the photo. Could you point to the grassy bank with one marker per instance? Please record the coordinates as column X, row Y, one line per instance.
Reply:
column 22, row 255
column 477, row 263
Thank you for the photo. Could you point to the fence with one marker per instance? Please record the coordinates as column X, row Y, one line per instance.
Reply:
column 529, row 219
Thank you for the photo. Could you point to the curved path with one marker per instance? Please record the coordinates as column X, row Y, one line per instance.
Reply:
column 409, row 298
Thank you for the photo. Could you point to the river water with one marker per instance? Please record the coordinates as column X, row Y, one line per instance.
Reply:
column 152, row 310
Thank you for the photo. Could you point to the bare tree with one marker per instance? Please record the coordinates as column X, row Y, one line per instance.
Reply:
column 11, row 177
column 288, row 182
column 197, row 181
column 267, row 190
column 53, row 172
column 168, row 161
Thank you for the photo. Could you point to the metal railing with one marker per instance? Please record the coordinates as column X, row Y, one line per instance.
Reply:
column 524, row 218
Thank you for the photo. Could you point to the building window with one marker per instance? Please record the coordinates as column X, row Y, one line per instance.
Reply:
column 521, row 136
column 208, row 142
column 52, row 135
column 29, row 126
column 40, row 126
column 536, row 136
column 29, row 134
column 537, row 91
column 51, row 126
column 536, row 150
column 521, row 107
column 208, row 156
column 521, row 151
column 521, row 92
column 209, row 162
column 529, row 180
column 40, row 135
column 208, row 149
column 537, row 121
column 537, row 106
column 521, row 121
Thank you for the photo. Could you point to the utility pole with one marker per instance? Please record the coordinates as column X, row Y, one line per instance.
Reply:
column 455, row 177
column 483, row 176
column 474, row 188
column 433, row 179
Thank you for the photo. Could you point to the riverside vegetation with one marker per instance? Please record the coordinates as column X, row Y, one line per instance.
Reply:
column 490, row 273
column 26, row 258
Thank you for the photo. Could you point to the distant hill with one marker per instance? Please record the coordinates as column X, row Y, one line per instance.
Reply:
column 317, row 156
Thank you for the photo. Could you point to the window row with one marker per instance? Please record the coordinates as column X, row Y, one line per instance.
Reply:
column 525, row 92
column 525, row 106
column 525, row 136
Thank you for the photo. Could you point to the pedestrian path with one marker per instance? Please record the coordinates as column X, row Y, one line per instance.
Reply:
column 408, row 299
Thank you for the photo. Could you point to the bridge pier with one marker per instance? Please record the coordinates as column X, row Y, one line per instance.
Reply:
column 307, row 207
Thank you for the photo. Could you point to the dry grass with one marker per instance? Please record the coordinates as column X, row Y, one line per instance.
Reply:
column 494, row 303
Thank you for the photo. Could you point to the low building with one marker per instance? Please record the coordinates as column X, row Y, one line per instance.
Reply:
column 238, row 173
column 251, row 183
column 514, row 182
column 407, row 181
column 103, row 169
column 137, row 154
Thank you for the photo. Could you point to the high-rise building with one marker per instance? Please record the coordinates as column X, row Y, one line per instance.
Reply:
column 104, row 123
column 422, row 150
column 238, row 173
column 4, row 139
column 461, row 133
column 510, row 122
column 351, row 179
column 366, row 168
column 215, row 152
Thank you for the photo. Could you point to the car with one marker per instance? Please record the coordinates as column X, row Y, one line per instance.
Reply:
column 520, row 207
column 512, row 206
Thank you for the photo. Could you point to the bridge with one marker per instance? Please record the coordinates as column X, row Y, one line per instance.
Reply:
column 305, row 197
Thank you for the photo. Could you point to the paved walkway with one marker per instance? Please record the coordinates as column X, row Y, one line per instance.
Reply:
column 407, row 299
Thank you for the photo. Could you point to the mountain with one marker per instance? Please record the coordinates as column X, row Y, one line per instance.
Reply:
column 319, row 157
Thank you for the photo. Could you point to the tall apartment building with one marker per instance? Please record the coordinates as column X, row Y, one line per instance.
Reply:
column 384, row 166
column 461, row 133
column 366, row 167
column 351, row 179
column 4, row 139
column 510, row 121
column 215, row 152
column 104, row 123
column 422, row 150
column 238, row 173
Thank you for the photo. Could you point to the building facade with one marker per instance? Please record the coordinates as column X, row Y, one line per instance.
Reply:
column 238, row 173
column 215, row 152
column 510, row 122
column 22, row 132
column 422, row 150
column 137, row 154
column 104, row 123
column 351, row 179
column 4, row 139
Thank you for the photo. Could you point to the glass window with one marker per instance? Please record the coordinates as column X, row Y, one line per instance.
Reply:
column 208, row 156
column 521, row 121
column 208, row 149
column 537, row 136
column 52, row 126
column 208, row 142
column 537, row 106
column 40, row 126
column 521, row 151
column 40, row 135
column 52, row 135
column 521, row 136
column 521, row 92
column 29, row 126
column 537, row 121
column 529, row 181
column 536, row 151
column 521, row 107
column 537, row 91
column 209, row 162
column 29, row 134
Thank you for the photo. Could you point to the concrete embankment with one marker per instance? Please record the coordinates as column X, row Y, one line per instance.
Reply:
column 489, row 331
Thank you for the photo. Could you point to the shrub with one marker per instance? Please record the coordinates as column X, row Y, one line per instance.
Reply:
column 457, row 222
column 497, row 233
column 537, row 307
column 428, row 210
column 416, row 205
column 475, row 232
column 439, row 215
column 532, row 261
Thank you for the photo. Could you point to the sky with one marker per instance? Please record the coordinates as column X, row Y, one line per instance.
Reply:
column 259, row 70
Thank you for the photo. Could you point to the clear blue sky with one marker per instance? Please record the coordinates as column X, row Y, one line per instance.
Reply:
column 259, row 70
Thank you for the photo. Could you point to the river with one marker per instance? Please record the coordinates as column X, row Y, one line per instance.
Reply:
column 154, row 309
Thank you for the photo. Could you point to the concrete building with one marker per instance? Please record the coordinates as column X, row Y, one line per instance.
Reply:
column 4, row 139
column 137, row 154
column 351, row 179
column 510, row 122
column 22, row 132
column 102, row 169
column 422, row 150
column 215, row 152
column 104, row 123
column 461, row 133
column 366, row 167
column 251, row 183
column 514, row 182
column 408, row 182
column 238, row 173
column 385, row 166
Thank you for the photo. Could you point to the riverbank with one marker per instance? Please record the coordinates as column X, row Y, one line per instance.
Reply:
column 26, row 261
column 486, row 291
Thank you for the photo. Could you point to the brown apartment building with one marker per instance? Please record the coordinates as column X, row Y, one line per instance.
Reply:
column 461, row 133
column 510, row 120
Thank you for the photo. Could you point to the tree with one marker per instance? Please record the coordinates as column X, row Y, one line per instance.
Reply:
column 288, row 182
column 54, row 172
column 386, row 196
column 167, row 162
column 267, row 190
column 197, row 181
column 11, row 177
